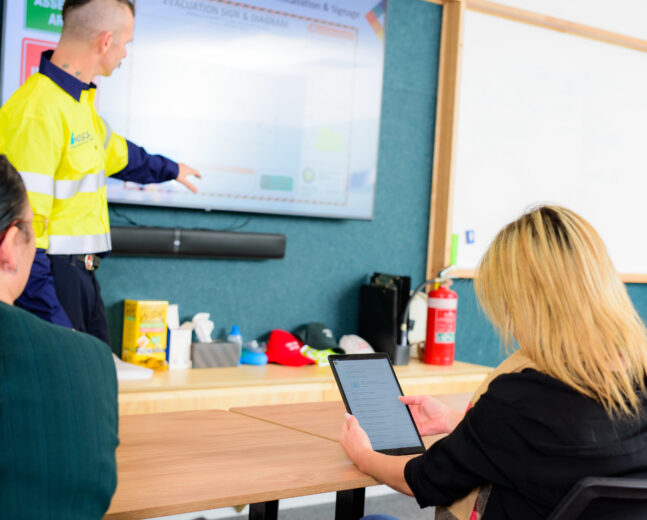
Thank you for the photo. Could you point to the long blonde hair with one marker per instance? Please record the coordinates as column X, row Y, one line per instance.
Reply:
column 547, row 282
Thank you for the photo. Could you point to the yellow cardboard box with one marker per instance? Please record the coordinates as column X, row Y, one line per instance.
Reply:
column 144, row 335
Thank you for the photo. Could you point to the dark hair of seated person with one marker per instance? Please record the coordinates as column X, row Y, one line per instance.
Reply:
column 13, row 195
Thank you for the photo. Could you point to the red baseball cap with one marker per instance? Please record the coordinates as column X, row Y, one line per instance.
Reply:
column 285, row 349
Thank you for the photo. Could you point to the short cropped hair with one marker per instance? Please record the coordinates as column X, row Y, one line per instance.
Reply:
column 85, row 19
column 13, row 195
column 70, row 5
column 547, row 283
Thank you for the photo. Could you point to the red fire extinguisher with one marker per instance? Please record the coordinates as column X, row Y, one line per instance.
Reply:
column 441, row 326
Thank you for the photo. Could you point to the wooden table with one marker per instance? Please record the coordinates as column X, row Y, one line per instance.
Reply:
column 325, row 419
column 247, row 385
column 191, row 461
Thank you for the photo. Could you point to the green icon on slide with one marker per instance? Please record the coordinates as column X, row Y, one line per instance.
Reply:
column 44, row 15
column 308, row 175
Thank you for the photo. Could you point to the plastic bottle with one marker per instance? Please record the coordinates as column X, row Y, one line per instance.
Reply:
column 235, row 337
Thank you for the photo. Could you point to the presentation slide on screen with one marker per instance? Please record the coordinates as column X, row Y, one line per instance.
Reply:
column 275, row 102
column 372, row 394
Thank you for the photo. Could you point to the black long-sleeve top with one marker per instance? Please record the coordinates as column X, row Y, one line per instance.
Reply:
column 533, row 438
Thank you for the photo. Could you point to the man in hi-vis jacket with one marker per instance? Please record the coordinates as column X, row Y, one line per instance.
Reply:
column 52, row 133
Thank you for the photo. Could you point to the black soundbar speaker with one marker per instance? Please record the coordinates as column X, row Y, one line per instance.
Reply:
column 156, row 241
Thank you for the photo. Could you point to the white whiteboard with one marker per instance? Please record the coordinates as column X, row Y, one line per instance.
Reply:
column 550, row 117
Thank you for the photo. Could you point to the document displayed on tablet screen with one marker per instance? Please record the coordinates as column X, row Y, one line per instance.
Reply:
column 370, row 391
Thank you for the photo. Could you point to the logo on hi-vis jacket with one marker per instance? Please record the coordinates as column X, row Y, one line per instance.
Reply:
column 79, row 139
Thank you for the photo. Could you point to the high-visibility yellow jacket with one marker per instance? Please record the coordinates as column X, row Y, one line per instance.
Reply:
column 53, row 135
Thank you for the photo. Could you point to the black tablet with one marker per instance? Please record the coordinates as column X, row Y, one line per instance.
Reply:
column 370, row 390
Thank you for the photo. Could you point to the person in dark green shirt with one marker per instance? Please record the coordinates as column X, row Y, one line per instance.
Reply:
column 58, row 391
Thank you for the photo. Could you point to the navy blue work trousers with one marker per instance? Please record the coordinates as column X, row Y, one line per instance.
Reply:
column 79, row 293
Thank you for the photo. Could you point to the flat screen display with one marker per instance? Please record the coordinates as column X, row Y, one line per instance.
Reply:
column 275, row 102
column 371, row 393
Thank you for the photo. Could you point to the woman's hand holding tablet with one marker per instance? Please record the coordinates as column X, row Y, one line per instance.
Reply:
column 430, row 415
column 354, row 440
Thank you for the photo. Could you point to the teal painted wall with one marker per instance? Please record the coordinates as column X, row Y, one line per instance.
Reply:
column 326, row 260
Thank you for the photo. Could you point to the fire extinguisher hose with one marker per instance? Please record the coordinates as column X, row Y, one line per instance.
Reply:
column 404, row 326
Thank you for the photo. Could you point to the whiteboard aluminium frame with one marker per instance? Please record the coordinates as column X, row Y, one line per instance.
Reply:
column 444, row 161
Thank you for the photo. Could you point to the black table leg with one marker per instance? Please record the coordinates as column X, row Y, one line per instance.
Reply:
column 264, row 510
column 350, row 504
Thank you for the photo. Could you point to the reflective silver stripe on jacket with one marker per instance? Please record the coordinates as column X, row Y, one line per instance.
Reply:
column 78, row 245
column 38, row 183
column 88, row 184
column 108, row 133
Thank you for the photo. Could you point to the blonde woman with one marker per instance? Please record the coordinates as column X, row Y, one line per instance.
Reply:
column 569, row 403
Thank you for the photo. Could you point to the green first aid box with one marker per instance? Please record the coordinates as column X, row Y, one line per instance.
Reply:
column 44, row 15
